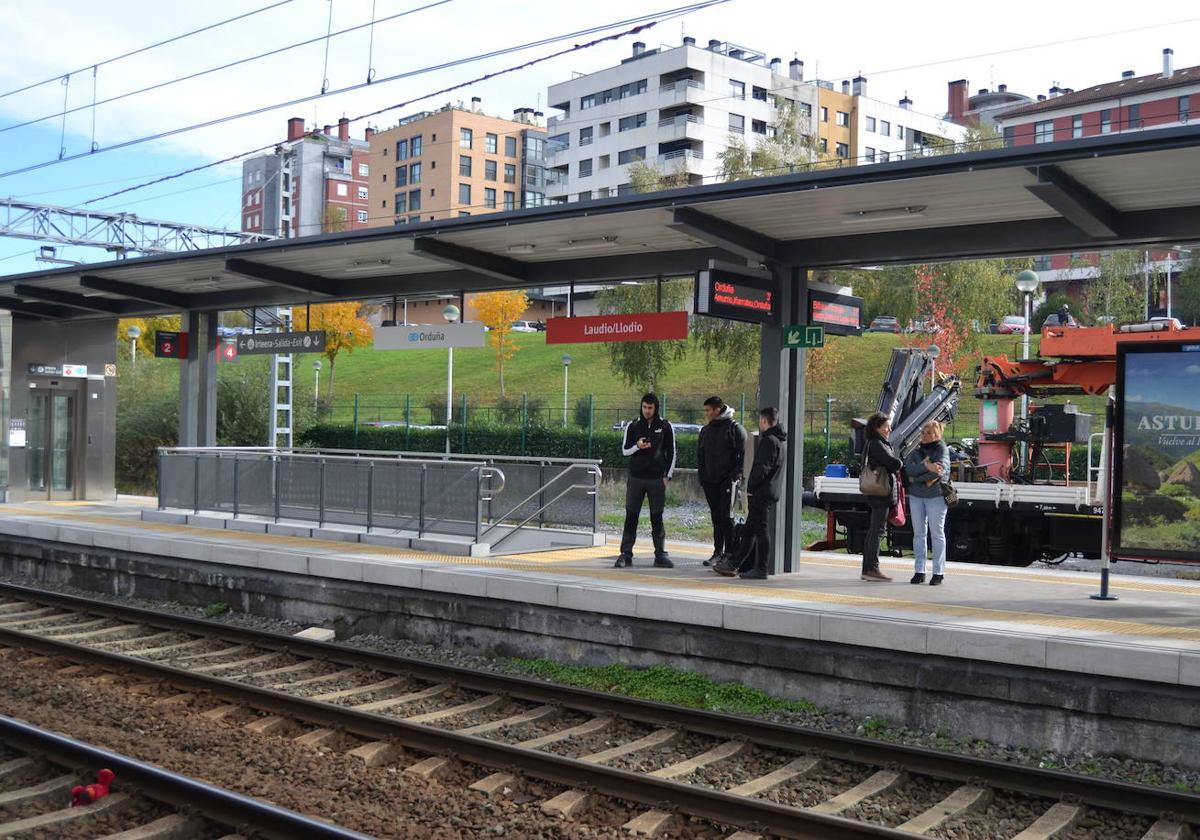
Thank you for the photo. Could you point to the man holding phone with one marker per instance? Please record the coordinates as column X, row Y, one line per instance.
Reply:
column 650, row 446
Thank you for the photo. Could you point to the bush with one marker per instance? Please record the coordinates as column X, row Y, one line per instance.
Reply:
column 1145, row 509
column 1049, row 306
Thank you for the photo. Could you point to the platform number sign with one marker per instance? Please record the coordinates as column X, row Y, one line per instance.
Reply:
column 228, row 351
column 170, row 345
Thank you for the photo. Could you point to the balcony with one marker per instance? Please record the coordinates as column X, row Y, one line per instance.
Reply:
column 682, row 159
column 684, row 90
column 685, row 126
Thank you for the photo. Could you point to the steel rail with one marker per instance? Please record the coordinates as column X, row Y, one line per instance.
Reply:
column 219, row 805
column 1101, row 793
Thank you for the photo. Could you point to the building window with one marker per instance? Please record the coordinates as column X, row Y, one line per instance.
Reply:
column 465, row 137
column 884, row 156
column 489, row 170
column 585, row 168
column 463, row 214
column 737, row 90
column 584, row 196
column 414, row 200
column 870, row 123
column 1185, row 105
column 1106, row 121
column 362, row 193
column 464, row 194
column 412, row 220
column 842, row 150
column 737, row 123
column 362, row 217
column 1010, row 135
column 1135, row 116
column 629, row 123
column 401, row 202
column 585, row 136
column 385, row 177
column 758, row 126
column 414, row 172
column 489, row 198
column 510, row 200
column 363, row 170
column 759, row 93
column 824, row 114
column 842, row 118
column 586, row 102
column 885, row 128
column 464, row 166
column 401, row 149
column 489, row 143
column 510, row 173
column 342, row 189
column 510, row 146
column 631, row 155
column 824, row 145
column 1043, row 132
column 414, row 146
column 899, row 131
column 1076, row 126
column 869, row 154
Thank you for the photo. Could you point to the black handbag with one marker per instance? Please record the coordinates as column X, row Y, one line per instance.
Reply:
column 949, row 494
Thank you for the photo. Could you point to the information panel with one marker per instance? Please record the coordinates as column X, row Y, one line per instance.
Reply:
column 311, row 341
column 1156, row 503
column 738, row 297
column 838, row 314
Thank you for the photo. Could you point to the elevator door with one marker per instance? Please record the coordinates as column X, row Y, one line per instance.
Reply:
column 51, row 444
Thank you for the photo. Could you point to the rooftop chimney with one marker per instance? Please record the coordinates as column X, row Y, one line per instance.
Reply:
column 1055, row 91
column 328, row 131
column 344, row 128
column 1041, row 97
column 796, row 70
column 982, row 91
column 638, row 48
column 906, row 103
column 476, row 104
column 689, row 41
column 775, row 64
column 1128, row 74
column 368, row 133
column 958, row 99
column 295, row 128
column 713, row 44
column 1002, row 88
column 860, row 85
column 1168, row 63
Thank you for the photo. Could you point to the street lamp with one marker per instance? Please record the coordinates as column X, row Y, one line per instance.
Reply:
column 316, row 380
column 566, row 360
column 132, row 333
column 450, row 313
column 1027, row 284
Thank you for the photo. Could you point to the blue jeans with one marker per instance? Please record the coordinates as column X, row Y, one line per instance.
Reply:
column 929, row 513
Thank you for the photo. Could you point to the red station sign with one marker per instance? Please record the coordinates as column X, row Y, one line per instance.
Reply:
column 639, row 326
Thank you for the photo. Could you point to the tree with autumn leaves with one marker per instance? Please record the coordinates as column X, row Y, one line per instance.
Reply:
column 345, row 327
column 497, row 311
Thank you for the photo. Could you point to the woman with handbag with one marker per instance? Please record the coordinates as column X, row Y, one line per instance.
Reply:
column 880, row 483
column 927, row 470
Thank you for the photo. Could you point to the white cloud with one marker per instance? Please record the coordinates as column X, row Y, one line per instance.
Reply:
column 1194, row 370
column 1135, row 398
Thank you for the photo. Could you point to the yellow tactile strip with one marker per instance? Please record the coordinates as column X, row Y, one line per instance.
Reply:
column 535, row 563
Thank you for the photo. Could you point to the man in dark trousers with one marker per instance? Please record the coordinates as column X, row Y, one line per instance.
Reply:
column 650, row 446
column 719, row 461
column 763, row 490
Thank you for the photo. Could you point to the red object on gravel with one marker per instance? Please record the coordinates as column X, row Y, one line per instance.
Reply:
column 87, row 794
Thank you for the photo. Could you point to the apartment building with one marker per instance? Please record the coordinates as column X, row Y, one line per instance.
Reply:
column 853, row 125
column 455, row 162
column 315, row 182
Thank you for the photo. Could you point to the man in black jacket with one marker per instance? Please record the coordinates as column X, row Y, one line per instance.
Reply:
column 763, row 490
column 721, row 453
column 650, row 445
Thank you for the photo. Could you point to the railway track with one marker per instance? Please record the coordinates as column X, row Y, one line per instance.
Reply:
column 765, row 778
column 41, row 773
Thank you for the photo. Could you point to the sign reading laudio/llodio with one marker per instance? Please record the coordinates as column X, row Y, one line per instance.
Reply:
column 1156, row 509
column 429, row 336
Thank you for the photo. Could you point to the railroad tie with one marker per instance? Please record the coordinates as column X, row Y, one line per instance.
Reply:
column 882, row 782
column 744, row 835
column 362, row 689
column 432, row 767
column 482, row 703
column 568, row 804
column 17, row 765
column 112, row 802
column 46, row 618
column 52, row 789
column 299, row 667
column 497, row 784
column 539, row 713
column 92, row 635
column 585, row 728
column 964, row 800
column 193, row 657
column 1061, row 818
column 10, row 607
column 241, row 663
column 796, row 767
column 317, row 738
column 154, row 651
column 220, row 712
column 72, row 630
column 180, row 699
column 345, row 673
column 721, row 752
column 404, row 699
column 71, row 670
column 657, row 738
column 650, row 824
column 376, row 753
column 272, row 725
column 170, row 827
column 37, row 661
column 153, row 637
column 1168, row 829
column 14, row 619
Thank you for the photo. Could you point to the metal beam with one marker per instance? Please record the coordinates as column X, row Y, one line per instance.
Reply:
column 1075, row 202
column 625, row 266
column 33, row 310
column 133, row 291
column 480, row 262
column 733, row 238
column 298, row 280
column 92, row 304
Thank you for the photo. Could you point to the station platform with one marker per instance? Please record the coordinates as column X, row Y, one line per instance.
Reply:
column 1033, row 617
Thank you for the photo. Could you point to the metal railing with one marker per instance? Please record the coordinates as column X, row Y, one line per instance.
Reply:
column 424, row 493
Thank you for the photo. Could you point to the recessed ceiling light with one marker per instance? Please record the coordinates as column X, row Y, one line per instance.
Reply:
column 587, row 243
column 522, row 248
column 366, row 265
column 911, row 210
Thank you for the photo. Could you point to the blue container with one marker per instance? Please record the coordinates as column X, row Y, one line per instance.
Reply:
column 837, row 471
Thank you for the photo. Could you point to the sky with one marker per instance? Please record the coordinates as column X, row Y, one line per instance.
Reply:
column 1171, row 379
column 901, row 49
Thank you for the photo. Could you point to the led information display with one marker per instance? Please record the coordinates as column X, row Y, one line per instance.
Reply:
column 737, row 297
column 838, row 314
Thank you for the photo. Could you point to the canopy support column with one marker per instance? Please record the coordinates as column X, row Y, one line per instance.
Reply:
column 198, row 381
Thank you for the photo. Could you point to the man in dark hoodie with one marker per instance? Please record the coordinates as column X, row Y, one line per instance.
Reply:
column 721, row 453
column 763, row 490
column 650, row 446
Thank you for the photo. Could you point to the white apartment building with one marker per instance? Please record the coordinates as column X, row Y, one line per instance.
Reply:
column 672, row 106
column 883, row 132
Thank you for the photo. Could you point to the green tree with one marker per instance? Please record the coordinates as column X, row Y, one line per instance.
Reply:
column 642, row 363
column 646, row 177
column 977, row 138
column 1185, row 291
column 792, row 147
column 1117, row 290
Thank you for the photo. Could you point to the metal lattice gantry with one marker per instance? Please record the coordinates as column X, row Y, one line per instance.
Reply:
column 116, row 232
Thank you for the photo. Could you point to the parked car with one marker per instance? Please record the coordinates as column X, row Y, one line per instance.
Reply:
column 1105, row 319
column 1164, row 319
column 1056, row 320
column 1010, row 324
column 884, row 323
column 924, row 325
column 523, row 326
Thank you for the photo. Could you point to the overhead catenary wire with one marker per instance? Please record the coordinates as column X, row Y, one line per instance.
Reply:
column 147, row 48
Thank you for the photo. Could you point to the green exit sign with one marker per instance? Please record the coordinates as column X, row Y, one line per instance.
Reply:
column 802, row 336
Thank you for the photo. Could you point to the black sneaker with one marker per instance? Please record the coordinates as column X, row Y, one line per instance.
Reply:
column 623, row 561
column 936, row 580
column 753, row 574
column 919, row 577
column 663, row 562
column 712, row 561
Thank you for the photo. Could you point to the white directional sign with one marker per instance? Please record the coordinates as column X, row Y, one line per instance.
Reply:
column 425, row 336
